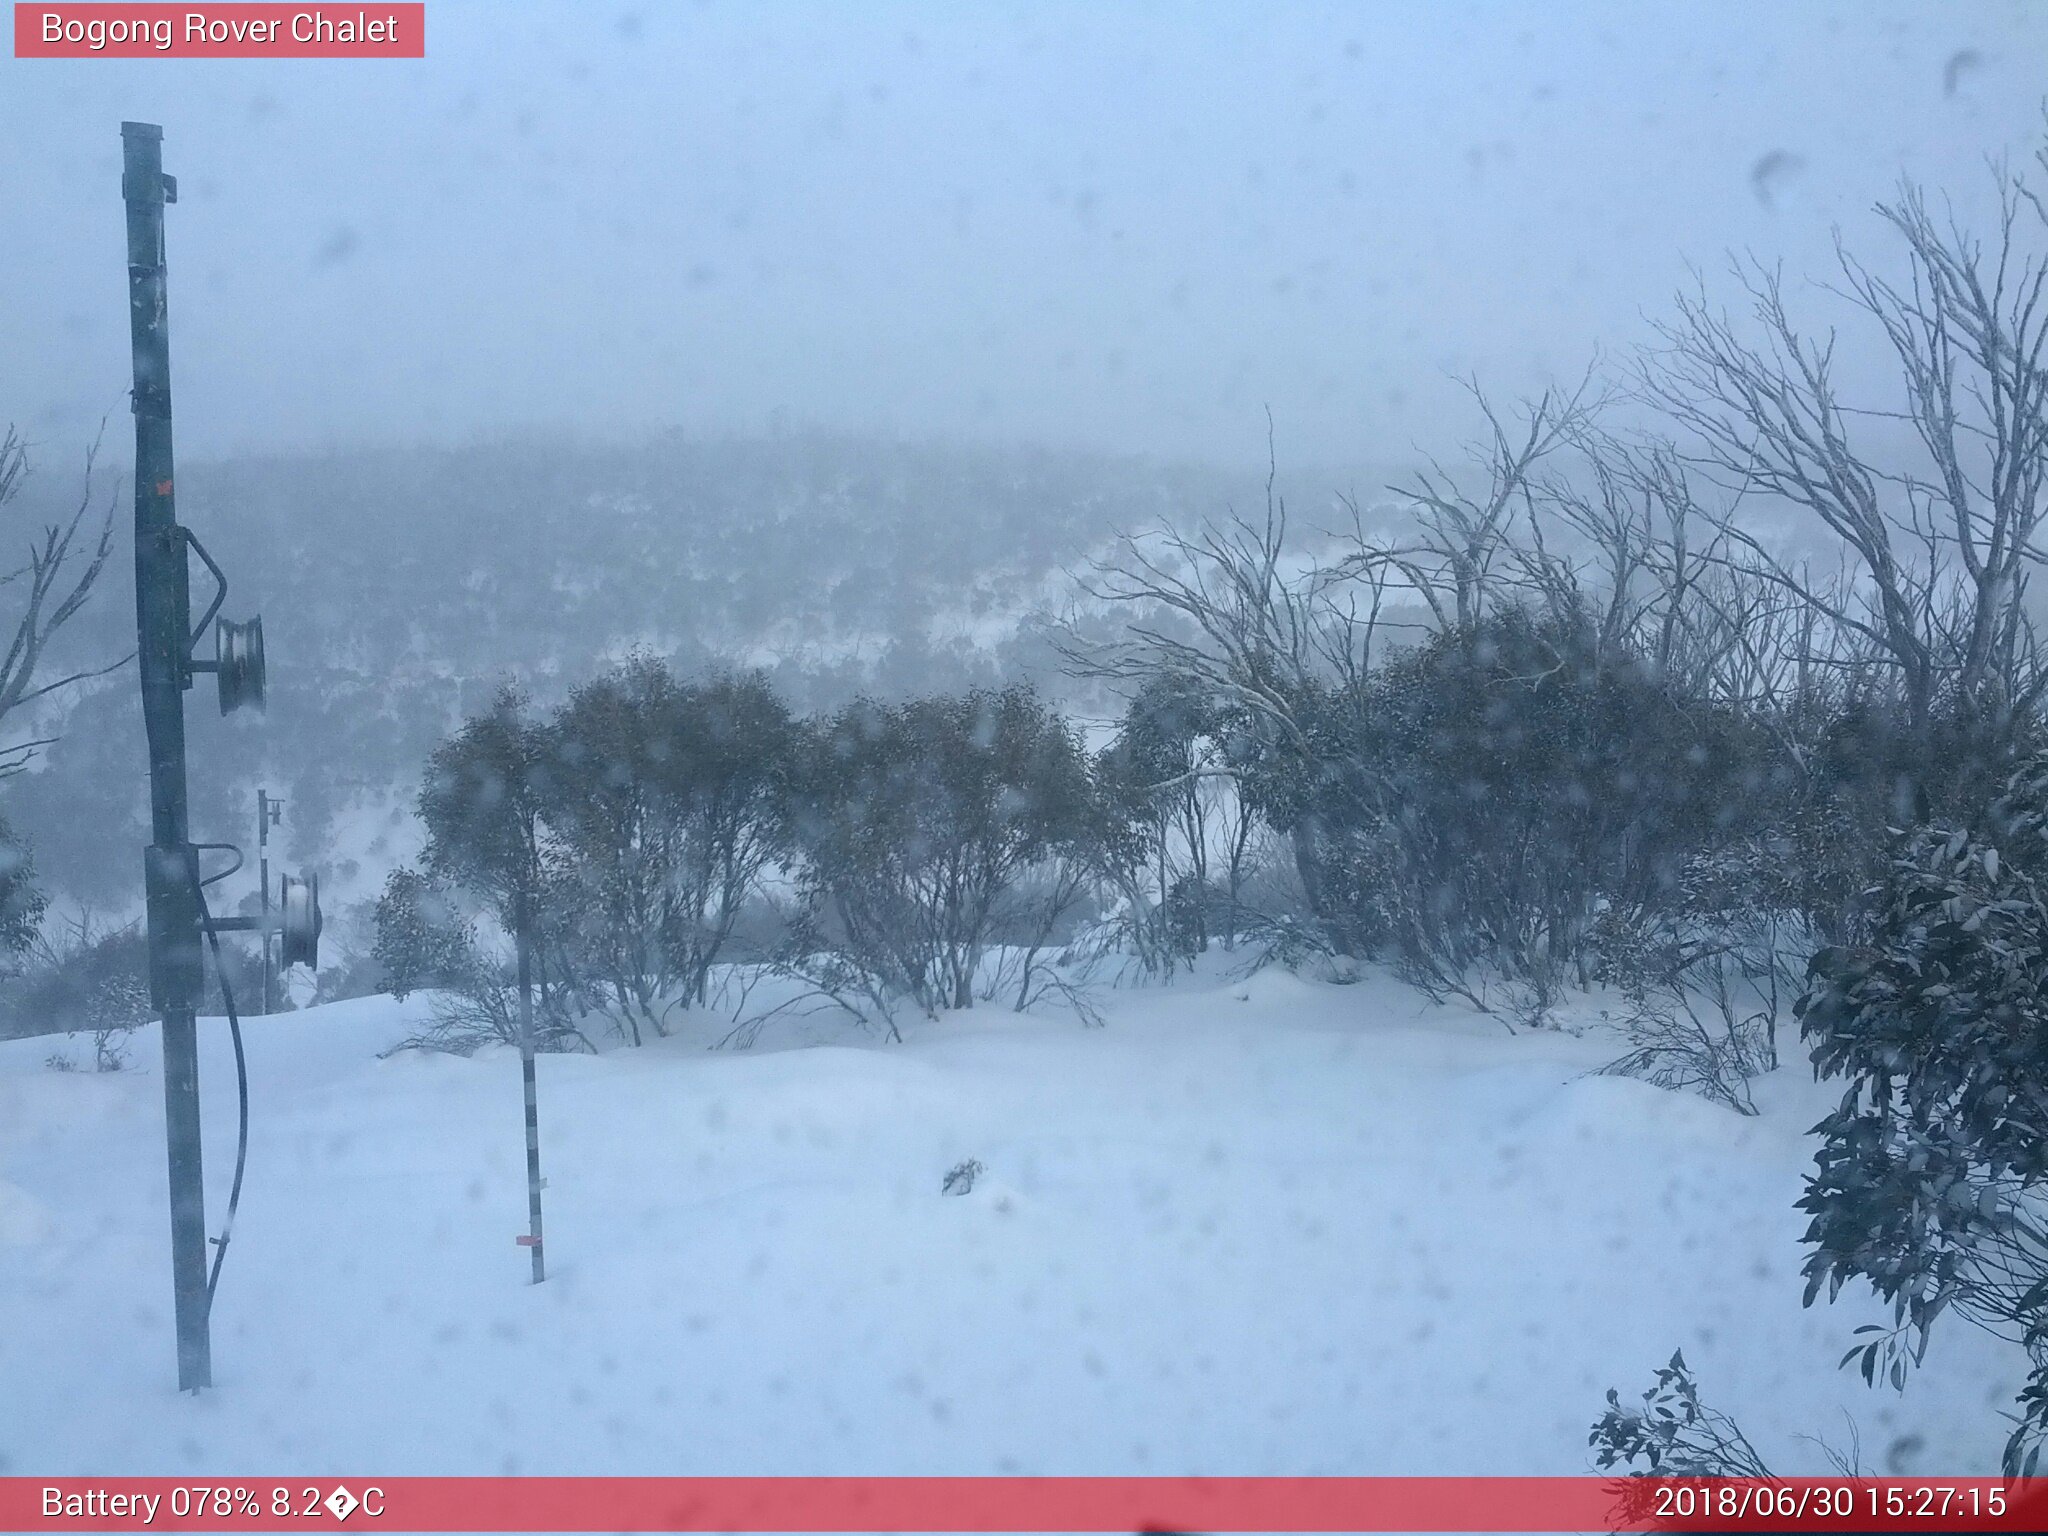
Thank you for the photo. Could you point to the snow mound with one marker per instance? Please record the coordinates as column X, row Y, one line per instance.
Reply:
column 1263, row 1225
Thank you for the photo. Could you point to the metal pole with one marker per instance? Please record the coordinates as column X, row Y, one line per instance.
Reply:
column 533, row 1235
column 264, row 805
column 162, row 621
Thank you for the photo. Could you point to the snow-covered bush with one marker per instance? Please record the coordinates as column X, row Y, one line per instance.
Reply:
column 1477, row 805
column 22, row 904
column 1708, row 1044
column 80, row 976
column 422, row 939
column 669, row 800
column 116, row 1008
column 1184, row 841
column 917, row 831
column 485, row 805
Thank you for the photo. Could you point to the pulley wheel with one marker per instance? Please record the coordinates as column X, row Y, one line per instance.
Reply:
column 238, row 663
column 299, row 925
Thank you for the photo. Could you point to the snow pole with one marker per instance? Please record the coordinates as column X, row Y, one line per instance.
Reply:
column 532, row 1239
column 268, row 812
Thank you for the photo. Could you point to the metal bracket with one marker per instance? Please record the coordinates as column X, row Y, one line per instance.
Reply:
column 220, row 595
column 171, row 886
column 220, row 848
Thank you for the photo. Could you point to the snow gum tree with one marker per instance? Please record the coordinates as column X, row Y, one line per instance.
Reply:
column 669, row 798
column 484, row 802
column 917, row 823
column 46, row 592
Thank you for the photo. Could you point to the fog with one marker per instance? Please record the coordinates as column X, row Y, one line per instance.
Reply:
column 1128, row 227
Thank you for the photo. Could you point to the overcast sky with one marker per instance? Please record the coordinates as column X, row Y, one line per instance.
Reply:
column 1112, row 225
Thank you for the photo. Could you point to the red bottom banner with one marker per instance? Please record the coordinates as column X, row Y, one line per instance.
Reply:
column 1135, row 1504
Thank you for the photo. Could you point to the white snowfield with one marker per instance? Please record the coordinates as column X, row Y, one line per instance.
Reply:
column 1264, row 1226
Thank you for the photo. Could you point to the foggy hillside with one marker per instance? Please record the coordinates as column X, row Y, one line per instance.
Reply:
column 400, row 587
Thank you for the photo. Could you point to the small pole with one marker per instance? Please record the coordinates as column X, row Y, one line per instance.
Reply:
column 526, row 1072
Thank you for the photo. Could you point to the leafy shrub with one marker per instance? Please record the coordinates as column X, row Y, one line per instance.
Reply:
column 1929, row 1182
column 1480, row 801
column 422, row 939
column 919, row 828
column 22, row 904
column 1672, row 1434
column 668, row 801
column 82, row 977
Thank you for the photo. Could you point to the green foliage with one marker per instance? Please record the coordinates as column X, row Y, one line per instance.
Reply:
column 483, row 802
column 1176, row 825
column 668, row 798
column 630, row 830
column 916, row 823
column 422, row 940
column 1483, row 798
column 1929, row 1183
column 1672, row 1433
column 77, row 977
column 1191, row 909
column 22, row 903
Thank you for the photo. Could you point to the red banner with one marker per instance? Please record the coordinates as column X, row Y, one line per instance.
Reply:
column 239, row 31
column 1135, row 1504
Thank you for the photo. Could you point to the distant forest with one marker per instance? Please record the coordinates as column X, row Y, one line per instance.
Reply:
column 400, row 587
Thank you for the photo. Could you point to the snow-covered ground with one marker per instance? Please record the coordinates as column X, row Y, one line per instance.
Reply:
column 1264, row 1226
